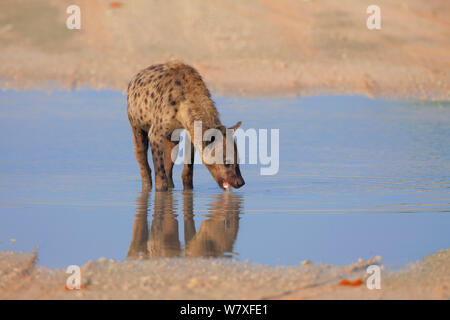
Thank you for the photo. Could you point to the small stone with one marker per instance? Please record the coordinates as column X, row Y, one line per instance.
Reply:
column 306, row 262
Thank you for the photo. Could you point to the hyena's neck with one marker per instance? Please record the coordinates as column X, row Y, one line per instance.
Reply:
column 193, row 115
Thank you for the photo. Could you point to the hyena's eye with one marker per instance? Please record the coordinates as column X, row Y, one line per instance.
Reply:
column 207, row 143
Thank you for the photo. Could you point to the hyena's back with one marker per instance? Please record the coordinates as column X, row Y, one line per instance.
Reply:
column 155, row 94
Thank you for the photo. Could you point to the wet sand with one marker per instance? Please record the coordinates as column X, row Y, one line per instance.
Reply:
column 253, row 48
column 21, row 278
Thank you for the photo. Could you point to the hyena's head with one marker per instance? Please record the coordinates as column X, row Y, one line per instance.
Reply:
column 223, row 164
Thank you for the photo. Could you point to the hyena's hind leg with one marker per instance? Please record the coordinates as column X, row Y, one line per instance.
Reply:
column 157, row 147
column 188, row 171
column 140, row 149
column 168, row 163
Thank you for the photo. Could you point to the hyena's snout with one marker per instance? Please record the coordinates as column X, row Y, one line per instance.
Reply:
column 236, row 181
column 239, row 182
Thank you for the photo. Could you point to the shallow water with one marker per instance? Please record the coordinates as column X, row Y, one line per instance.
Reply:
column 358, row 178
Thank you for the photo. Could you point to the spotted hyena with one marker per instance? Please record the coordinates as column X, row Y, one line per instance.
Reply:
column 165, row 97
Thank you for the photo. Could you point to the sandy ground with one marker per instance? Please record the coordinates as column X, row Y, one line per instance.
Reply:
column 21, row 278
column 264, row 47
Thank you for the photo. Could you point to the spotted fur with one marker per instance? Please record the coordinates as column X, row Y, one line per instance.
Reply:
column 162, row 98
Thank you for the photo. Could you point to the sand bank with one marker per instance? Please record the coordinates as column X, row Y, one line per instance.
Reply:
column 21, row 278
column 246, row 48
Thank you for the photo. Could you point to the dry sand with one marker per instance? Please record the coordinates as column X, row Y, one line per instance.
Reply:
column 178, row 278
column 265, row 47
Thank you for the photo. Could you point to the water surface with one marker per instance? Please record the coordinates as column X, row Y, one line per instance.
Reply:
column 358, row 178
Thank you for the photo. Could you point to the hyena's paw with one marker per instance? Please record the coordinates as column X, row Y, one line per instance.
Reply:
column 187, row 180
column 188, row 185
column 161, row 186
column 146, row 185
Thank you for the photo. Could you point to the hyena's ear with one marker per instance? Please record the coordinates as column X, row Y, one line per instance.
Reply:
column 237, row 125
column 222, row 129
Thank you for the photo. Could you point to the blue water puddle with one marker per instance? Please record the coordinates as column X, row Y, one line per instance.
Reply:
column 358, row 178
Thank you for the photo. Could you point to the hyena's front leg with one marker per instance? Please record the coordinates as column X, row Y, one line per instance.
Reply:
column 157, row 147
column 140, row 149
column 188, row 171
column 168, row 163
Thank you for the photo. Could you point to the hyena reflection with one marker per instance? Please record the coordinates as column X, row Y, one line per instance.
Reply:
column 215, row 238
